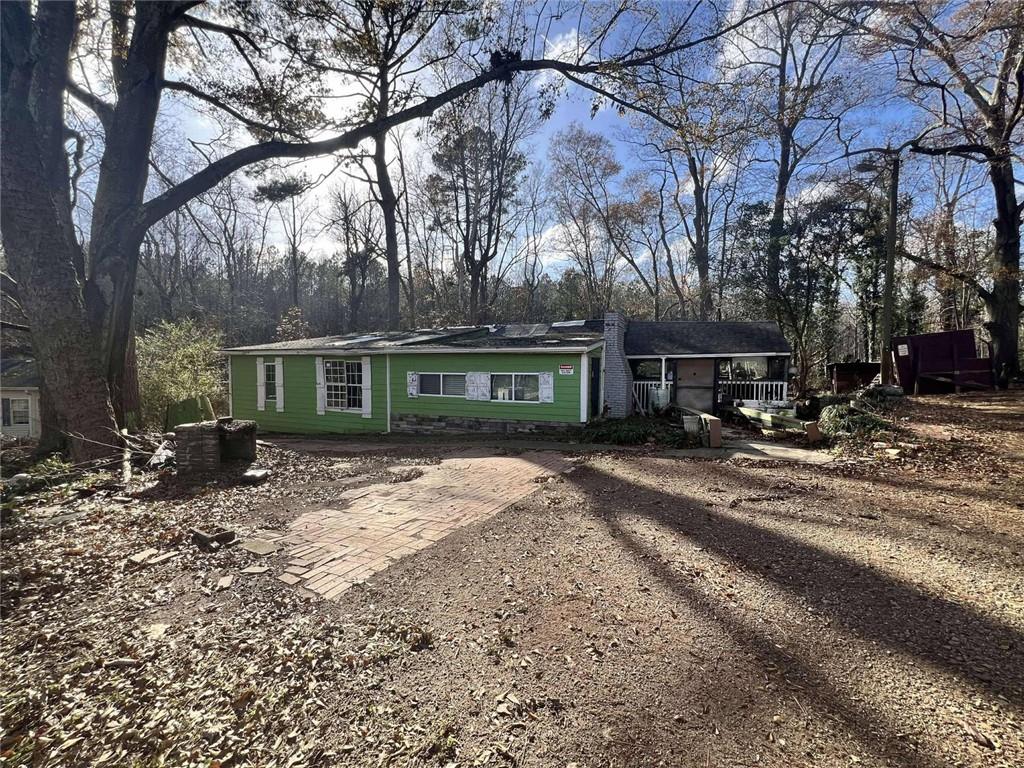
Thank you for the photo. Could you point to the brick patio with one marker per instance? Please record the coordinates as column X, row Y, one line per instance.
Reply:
column 332, row 549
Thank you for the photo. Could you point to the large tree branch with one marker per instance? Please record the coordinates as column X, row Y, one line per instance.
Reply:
column 967, row 150
column 209, row 26
column 963, row 277
column 103, row 111
column 160, row 206
column 191, row 90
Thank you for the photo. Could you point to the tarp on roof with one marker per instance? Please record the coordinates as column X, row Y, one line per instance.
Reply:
column 693, row 337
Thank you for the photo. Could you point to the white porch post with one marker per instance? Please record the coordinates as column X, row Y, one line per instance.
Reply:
column 663, row 372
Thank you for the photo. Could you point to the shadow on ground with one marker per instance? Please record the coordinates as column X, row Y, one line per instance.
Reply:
column 931, row 630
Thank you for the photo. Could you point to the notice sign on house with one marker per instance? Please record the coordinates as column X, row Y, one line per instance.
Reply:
column 566, row 370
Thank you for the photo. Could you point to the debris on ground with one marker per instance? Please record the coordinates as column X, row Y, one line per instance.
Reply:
column 780, row 615
column 213, row 539
column 255, row 476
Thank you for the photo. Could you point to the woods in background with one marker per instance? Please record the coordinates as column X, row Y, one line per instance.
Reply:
column 449, row 188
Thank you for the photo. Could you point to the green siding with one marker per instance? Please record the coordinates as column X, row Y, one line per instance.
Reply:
column 299, row 414
column 565, row 408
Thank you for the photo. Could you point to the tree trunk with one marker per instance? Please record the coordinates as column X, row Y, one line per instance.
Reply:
column 701, row 236
column 474, row 294
column 1003, row 304
column 35, row 220
column 116, row 235
column 777, row 227
column 388, row 207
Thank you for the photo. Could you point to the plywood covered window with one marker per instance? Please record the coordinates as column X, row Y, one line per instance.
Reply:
column 343, row 380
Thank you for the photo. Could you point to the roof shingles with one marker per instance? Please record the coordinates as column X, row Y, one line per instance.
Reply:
column 692, row 337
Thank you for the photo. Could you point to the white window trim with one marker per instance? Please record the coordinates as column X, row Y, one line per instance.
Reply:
column 419, row 382
column 538, row 401
column 279, row 383
column 261, row 385
column 11, row 400
column 335, row 409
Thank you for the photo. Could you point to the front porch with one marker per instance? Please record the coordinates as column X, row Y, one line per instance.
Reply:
column 701, row 383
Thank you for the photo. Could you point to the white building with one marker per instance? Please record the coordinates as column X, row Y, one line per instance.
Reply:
column 19, row 397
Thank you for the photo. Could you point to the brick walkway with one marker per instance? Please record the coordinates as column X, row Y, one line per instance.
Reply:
column 332, row 549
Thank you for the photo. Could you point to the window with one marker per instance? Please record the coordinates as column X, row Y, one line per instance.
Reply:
column 519, row 387
column 15, row 411
column 650, row 370
column 270, row 382
column 443, row 384
column 344, row 382
column 750, row 368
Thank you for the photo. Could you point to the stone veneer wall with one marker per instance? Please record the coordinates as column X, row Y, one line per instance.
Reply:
column 454, row 425
column 618, row 378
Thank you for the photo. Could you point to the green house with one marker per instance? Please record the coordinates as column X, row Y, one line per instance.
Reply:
column 503, row 378
column 513, row 378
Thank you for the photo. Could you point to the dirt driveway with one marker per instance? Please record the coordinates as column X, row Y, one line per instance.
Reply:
column 639, row 611
column 371, row 527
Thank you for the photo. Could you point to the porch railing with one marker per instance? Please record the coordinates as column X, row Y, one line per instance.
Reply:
column 644, row 397
column 762, row 391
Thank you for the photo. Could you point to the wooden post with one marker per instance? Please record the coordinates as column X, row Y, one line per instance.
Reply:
column 956, row 366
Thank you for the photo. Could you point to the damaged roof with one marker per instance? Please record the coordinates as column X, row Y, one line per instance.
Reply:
column 643, row 338
column 18, row 372
column 711, row 338
column 539, row 336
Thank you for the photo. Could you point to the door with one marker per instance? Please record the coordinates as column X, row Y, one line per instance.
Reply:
column 596, row 407
column 695, row 384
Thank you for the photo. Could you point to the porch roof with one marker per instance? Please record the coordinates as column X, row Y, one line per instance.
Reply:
column 698, row 338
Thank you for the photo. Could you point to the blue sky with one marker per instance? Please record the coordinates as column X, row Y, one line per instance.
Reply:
column 883, row 118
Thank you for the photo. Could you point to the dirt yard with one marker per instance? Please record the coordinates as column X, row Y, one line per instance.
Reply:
column 636, row 611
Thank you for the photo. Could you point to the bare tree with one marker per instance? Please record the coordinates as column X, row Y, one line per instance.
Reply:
column 80, row 309
column 965, row 68
column 478, row 164
column 791, row 58
column 358, row 231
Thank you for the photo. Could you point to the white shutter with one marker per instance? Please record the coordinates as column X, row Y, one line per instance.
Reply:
column 321, row 388
column 367, row 404
column 547, row 387
column 478, row 386
column 279, row 380
column 261, row 385
column 412, row 384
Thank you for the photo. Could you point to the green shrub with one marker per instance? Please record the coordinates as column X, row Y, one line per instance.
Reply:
column 637, row 430
column 631, row 431
column 178, row 361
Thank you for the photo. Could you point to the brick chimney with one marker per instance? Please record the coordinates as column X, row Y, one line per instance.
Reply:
column 618, row 379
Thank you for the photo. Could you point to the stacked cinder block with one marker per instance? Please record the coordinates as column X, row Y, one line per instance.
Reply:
column 197, row 447
column 203, row 445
